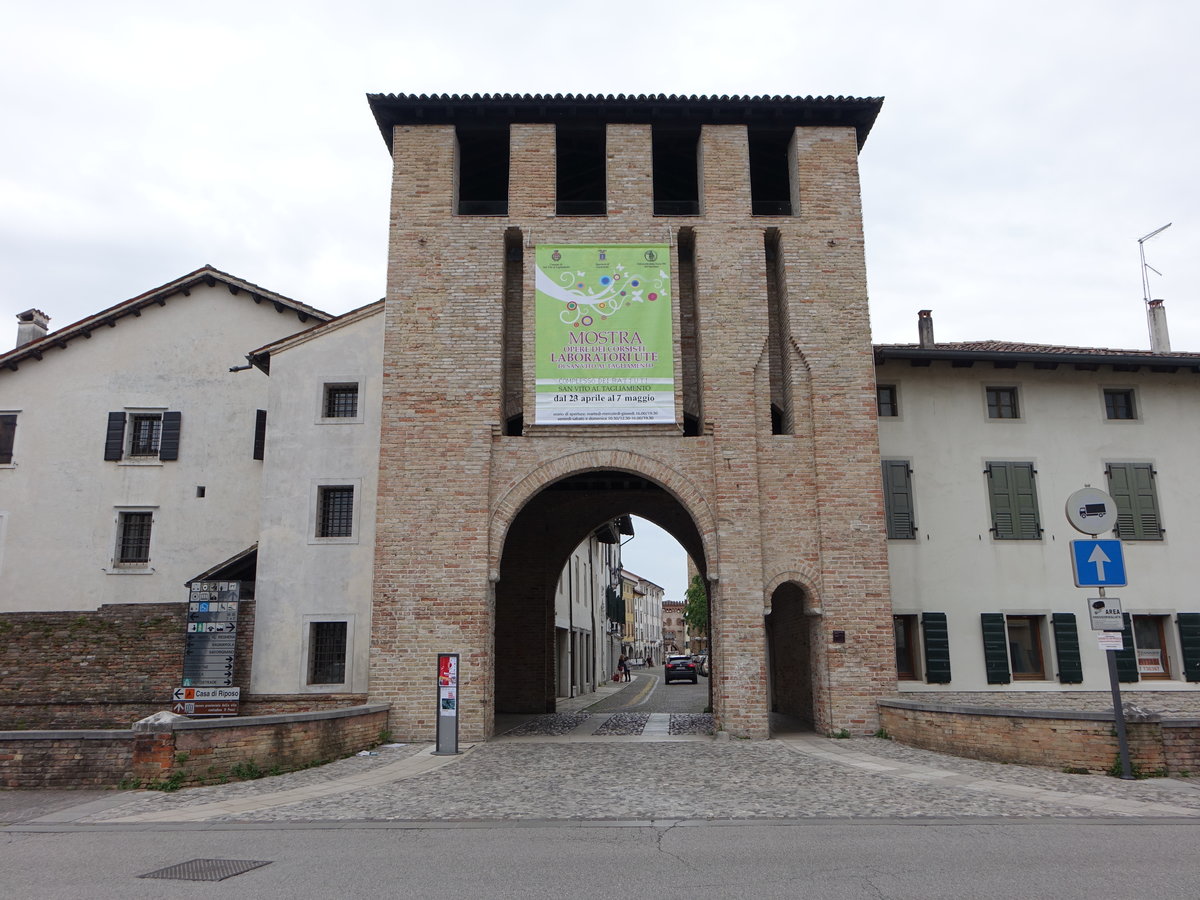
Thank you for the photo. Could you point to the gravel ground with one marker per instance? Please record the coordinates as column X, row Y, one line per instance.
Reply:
column 692, row 723
column 554, row 724
column 624, row 723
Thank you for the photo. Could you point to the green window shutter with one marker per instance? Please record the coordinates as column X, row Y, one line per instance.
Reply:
column 1189, row 643
column 1127, row 669
column 897, row 500
column 1066, row 648
column 1013, row 496
column 995, row 648
column 936, row 638
column 1132, row 488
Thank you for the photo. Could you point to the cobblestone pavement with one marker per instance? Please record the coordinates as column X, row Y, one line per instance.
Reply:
column 555, row 777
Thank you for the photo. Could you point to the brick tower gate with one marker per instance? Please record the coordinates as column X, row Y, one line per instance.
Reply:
column 733, row 224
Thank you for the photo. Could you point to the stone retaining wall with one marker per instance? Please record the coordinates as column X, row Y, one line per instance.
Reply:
column 183, row 751
column 1061, row 739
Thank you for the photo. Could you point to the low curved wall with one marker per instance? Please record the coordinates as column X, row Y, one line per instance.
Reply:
column 1061, row 739
column 186, row 751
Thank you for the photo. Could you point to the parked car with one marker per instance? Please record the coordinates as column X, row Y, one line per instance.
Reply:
column 680, row 668
column 701, row 661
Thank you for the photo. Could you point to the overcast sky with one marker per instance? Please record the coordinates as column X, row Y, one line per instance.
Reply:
column 1022, row 150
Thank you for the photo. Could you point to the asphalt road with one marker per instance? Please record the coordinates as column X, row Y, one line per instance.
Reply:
column 819, row 859
column 649, row 694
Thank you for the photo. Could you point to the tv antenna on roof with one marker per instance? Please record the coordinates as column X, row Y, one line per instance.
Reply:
column 1146, row 266
column 1156, row 321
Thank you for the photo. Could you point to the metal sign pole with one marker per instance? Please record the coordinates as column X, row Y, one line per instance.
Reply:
column 447, row 705
column 1118, row 712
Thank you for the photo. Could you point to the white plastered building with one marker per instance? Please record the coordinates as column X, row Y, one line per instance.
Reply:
column 127, row 446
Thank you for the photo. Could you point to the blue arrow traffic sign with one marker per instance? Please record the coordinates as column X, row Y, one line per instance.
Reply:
column 1098, row 563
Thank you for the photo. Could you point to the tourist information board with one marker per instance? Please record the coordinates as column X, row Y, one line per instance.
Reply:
column 209, row 647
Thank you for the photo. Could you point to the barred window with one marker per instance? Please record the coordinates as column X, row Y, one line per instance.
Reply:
column 327, row 653
column 335, row 511
column 133, row 538
column 145, row 432
column 341, row 401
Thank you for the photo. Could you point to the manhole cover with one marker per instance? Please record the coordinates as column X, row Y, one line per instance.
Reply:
column 207, row 869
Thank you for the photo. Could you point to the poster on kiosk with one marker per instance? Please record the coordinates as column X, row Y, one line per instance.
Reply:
column 447, row 700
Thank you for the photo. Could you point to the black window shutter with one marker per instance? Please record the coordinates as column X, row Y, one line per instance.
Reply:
column 1066, row 648
column 1189, row 644
column 8, row 434
column 936, row 638
column 897, row 500
column 1127, row 669
column 114, row 439
column 168, row 446
column 260, row 433
column 995, row 648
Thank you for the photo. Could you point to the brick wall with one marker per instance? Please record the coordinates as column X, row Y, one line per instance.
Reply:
column 105, row 668
column 201, row 751
column 457, row 557
column 1057, row 739
column 65, row 759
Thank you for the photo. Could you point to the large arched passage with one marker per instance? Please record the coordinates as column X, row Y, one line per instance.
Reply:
column 535, row 546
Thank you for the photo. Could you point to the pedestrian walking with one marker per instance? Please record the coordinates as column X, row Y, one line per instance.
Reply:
column 623, row 668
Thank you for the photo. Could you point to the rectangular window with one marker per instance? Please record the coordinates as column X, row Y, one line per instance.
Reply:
column 1118, row 404
column 1132, row 488
column 142, row 435
column 770, row 180
column 905, row 629
column 483, row 163
column 1149, row 640
column 1013, row 497
column 886, row 404
column 327, row 653
column 1002, row 403
column 1025, row 647
column 133, row 538
column 580, row 172
column 898, row 500
column 936, row 635
column 675, row 153
column 260, row 434
column 145, row 432
column 8, row 436
column 335, row 511
column 341, row 401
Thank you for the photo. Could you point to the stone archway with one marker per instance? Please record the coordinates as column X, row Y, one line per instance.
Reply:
column 537, row 540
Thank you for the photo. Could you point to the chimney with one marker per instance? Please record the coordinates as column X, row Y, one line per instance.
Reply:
column 1156, row 316
column 925, row 328
column 31, row 325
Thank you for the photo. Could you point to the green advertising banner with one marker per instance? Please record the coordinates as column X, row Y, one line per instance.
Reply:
column 603, row 325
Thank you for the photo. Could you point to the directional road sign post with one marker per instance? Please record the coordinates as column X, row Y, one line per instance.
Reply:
column 209, row 649
column 1101, row 564
column 1098, row 563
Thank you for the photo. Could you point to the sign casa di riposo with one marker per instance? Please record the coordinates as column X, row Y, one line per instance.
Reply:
column 603, row 325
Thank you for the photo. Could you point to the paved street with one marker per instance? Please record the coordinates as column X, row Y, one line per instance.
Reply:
column 612, row 785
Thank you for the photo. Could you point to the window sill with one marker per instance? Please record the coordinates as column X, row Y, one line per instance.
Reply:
column 148, row 461
column 340, row 420
column 129, row 570
column 341, row 687
column 333, row 540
